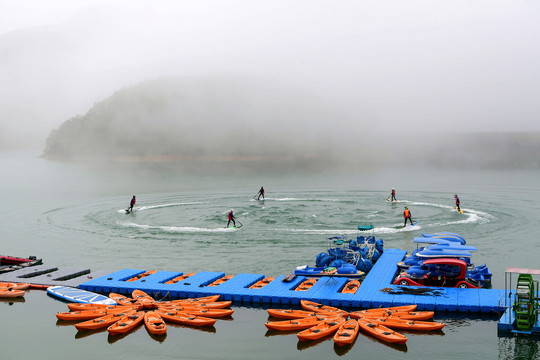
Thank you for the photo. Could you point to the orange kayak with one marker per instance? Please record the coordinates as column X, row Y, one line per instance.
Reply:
column 154, row 323
column 98, row 307
column 351, row 287
column 88, row 314
column 146, row 300
column 221, row 280
column 186, row 318
column 392, row 309
column 306, row 285
column 39, row 286
column 15, row 286
column 291, row 314
column 179, row 278
column 403, row 324
column 144, row 274
column 262, row 283
column 102, row 321
column 122, row 300
column 6, row 285
column 211, row 313
column 347, row 332
column 209, row 305
column 297, row 324
column 321, row 330
column 381, row 332
column 211, row 298
column 22, row 286
column 126, row 323
column 407, row 315
column 11, row 293
column 320, row 308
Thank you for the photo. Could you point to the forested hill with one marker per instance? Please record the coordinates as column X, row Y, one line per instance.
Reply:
column 196, row 118
column 216, row 119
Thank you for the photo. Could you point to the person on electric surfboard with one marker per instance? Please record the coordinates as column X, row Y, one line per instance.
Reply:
column 407, row 215
column 260, row 193
column 131, row 204
column 457, row 203
column 393, row 195
column 231, row 218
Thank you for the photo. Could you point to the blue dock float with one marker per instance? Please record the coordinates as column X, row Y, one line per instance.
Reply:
column 327, row 290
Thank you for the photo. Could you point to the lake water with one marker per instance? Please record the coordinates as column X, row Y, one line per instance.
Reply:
column 73, row 214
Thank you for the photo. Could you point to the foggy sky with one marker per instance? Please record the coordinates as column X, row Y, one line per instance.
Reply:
column 396, row 66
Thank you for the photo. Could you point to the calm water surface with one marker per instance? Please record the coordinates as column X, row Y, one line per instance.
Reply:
column 73, row 215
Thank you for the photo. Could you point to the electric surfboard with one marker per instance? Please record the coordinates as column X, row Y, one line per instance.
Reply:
column 72, row 294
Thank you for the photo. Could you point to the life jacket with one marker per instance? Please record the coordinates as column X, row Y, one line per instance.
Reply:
column 406, row 213
column 393, row 192
column 457, row 201
column 133, row 201
column 230, row 215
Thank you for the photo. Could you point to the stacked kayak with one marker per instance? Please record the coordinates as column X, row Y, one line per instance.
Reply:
column 317, row 321
column 12, row 290
column 10, row 263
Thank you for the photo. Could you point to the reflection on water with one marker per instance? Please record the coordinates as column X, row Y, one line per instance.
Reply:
column 303, row 345
column 85, row 333
column 11, row 301
column 519, row 348
column 111, row 339
column 398, row 347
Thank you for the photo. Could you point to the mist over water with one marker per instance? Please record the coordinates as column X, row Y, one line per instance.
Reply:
column 382, row 75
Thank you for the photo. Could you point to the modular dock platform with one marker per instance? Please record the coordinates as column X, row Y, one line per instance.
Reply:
column 51, row 275
column 327, row 290
column 506, row 325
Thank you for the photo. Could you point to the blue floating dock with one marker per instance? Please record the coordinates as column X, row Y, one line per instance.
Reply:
column 506, row 325
column 327, row 290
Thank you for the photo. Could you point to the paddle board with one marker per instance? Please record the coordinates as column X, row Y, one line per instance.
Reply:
column 72, row 294
column 365, row 227
column 407, row 226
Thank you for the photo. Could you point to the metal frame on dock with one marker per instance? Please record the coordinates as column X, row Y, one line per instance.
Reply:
column 507, row 322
